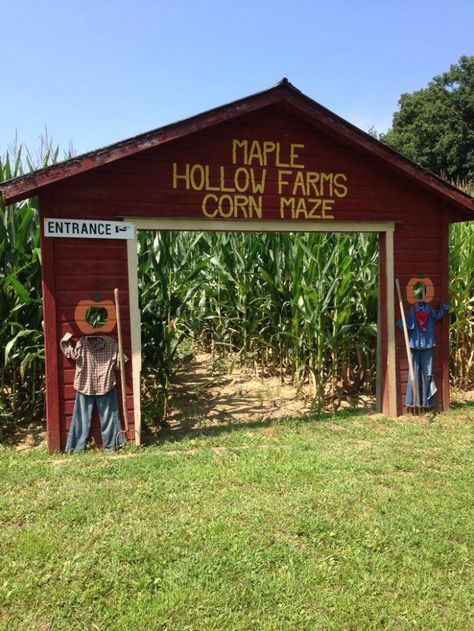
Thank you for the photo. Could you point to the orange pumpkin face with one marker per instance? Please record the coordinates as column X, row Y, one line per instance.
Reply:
column 411, row 286
column 80, row 313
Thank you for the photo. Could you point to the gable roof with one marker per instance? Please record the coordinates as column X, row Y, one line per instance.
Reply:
column 285, row 94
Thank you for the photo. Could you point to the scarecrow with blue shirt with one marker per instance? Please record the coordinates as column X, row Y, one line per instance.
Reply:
column 421, row 322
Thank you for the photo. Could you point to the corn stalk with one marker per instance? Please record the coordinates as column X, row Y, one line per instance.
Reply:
column 462, row 305
column 21, row 333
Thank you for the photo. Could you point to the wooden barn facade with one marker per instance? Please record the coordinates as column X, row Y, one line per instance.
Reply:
column 275, row 161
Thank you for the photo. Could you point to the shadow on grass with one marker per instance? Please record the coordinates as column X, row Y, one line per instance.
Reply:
column 206, row 402
column 194, row 428
column 461, row 406
column 25, row 435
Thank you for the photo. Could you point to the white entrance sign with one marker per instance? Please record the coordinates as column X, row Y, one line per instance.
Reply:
column 88, row 229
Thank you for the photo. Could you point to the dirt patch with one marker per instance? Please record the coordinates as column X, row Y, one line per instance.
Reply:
column 219, row 451
column 29, row 436
column 380, row 427
column 204, row 396
column 463, row 397
column 206, row 399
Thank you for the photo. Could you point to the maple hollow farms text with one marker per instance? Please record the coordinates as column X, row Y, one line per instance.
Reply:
column 260, row 170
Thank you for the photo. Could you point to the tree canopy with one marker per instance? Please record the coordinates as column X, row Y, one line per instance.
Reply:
column 434, row 126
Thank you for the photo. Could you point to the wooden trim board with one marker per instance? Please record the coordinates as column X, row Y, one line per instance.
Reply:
column 146, row 223
column 135, row 326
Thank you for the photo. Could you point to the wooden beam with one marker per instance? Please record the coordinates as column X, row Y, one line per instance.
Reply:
column 230, row 225
column 51, row 341
column 444, row 257
column 135, row 331
column 378, row 368
column 391, row 351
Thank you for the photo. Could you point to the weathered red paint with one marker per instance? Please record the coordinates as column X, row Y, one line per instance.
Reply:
column 383, row 322
column 50, row 338
column 286, row 96
column 135, row 178
column 444, row 298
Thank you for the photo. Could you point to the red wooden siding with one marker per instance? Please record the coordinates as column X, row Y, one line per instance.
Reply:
column 413, row 257
column 142, row 186
column 81, row 270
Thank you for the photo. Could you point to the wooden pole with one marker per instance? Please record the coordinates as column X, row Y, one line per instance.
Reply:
column 407, row 343
column 121, row 359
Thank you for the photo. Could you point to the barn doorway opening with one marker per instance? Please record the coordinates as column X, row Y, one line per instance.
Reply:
column 267, row 324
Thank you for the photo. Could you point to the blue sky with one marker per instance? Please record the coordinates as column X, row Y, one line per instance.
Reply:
column 97, row 71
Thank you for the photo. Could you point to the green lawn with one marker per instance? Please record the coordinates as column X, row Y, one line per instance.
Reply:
column 340, row 522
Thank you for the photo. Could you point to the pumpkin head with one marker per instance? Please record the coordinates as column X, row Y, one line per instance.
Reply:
column 84, row 312
column 412, row 288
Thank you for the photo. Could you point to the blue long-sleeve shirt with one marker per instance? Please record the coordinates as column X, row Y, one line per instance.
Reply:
column 418, row 338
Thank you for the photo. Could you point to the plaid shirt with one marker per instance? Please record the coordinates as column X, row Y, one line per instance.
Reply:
column 96, row 358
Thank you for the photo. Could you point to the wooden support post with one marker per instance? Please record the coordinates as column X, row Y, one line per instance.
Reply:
column 444, row 298
column 378, row 369
column 50, row 333
column 391, row 354
column 135, row 330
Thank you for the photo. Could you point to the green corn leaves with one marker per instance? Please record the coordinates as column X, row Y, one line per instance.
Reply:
column 21, row 337
column 462, row 304
column 301, row 305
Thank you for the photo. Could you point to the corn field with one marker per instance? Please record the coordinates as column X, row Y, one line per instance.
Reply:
column 303, row 306
column 462, row 301
column 21, row 334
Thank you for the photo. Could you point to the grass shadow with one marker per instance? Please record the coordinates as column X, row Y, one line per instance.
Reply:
column 206, row 402
column 194, row 428
column 461, row 405
column 25, row 435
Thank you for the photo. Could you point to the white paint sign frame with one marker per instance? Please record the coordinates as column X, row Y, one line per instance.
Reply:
column 87, row 229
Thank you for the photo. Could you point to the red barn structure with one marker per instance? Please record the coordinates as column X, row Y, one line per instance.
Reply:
column 276, row 160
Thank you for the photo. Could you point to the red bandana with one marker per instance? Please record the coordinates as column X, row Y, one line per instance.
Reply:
column 421, row 318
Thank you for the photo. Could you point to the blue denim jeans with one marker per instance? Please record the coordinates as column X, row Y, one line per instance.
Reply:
column 424, row 379
column 107, row 404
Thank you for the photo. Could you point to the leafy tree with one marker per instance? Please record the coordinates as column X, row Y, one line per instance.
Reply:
column 435, row 126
